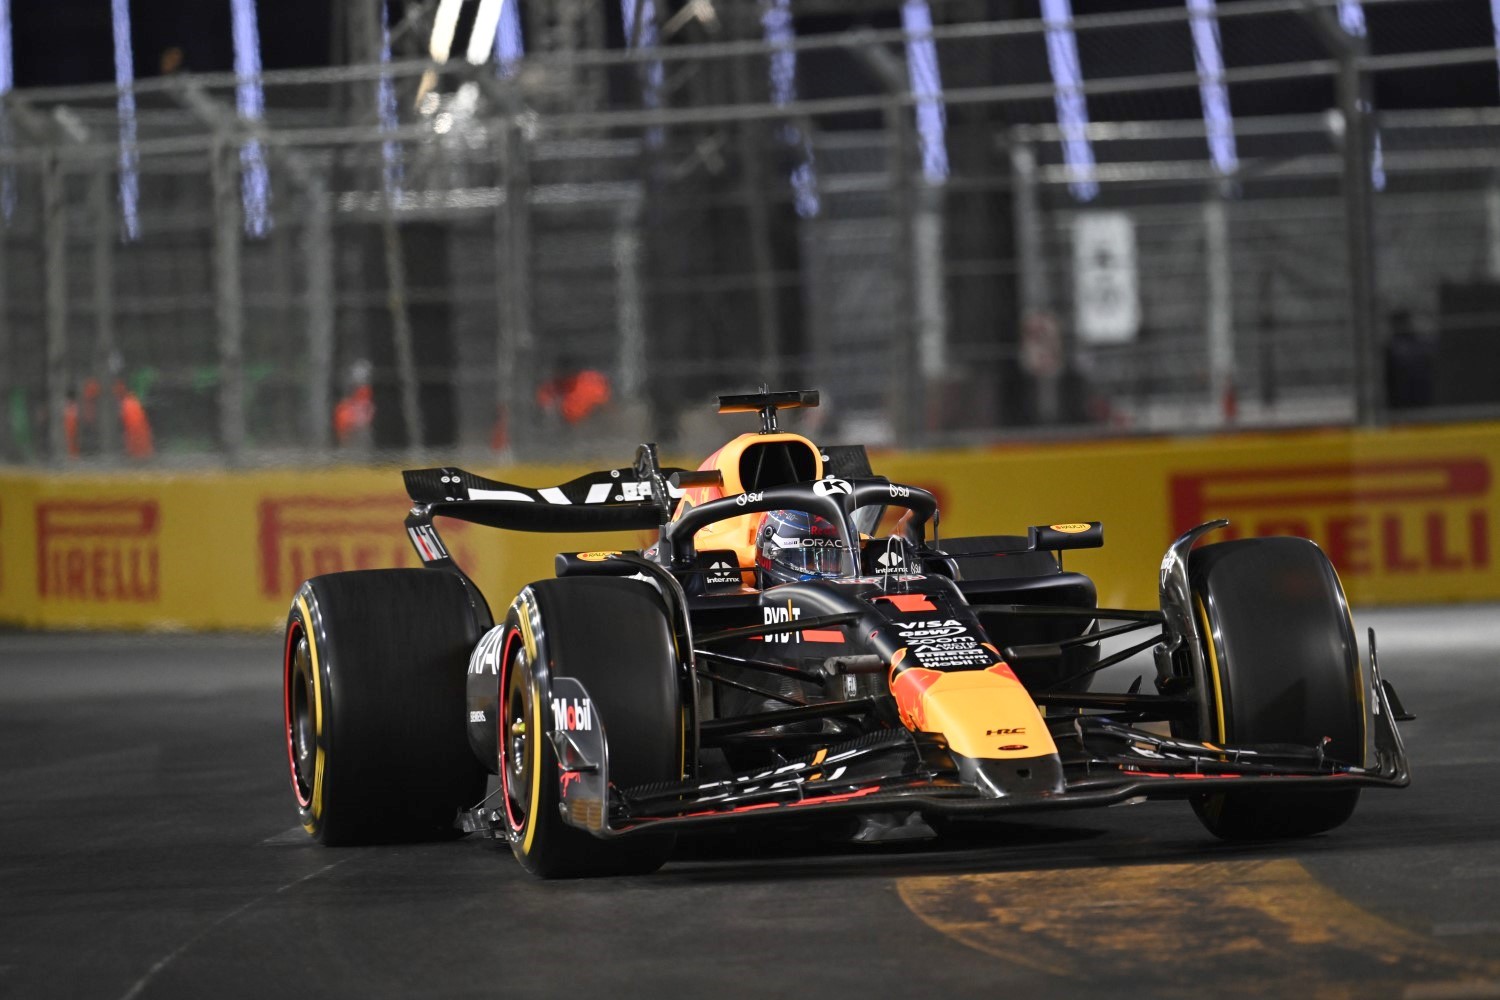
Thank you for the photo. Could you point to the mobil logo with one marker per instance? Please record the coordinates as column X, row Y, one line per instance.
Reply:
column 572, row 715
column 99, row 551
column 1395, row 516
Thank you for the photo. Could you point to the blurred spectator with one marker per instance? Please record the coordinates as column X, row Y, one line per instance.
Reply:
column 500, row 433
column 81, row 421
column 16, row 443
column 1046, row 384
column 136, row 429
column 354, row 415
column 72, row 417
column 574, row 393
column 1408, row 365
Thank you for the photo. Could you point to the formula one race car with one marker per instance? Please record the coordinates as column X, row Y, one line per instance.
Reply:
column 777, row 654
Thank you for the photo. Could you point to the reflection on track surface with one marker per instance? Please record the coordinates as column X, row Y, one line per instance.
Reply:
column 150, row 850
column 1251, row 928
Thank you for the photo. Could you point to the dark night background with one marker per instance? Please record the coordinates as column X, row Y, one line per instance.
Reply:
column 69, row 42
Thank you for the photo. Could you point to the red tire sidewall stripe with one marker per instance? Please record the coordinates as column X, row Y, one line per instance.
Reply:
column 292, row 633
column 501, row 735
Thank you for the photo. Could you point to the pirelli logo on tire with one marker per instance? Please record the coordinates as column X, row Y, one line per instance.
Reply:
column 1406, row 518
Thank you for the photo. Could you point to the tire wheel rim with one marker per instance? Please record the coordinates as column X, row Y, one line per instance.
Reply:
column 514, row 740
column 302, row 725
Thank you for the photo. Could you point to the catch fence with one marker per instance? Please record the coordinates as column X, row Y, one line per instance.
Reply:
column 462, row 241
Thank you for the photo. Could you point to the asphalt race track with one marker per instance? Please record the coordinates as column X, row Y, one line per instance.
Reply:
column 148, row 848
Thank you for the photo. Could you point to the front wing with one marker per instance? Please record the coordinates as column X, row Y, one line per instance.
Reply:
column 1103, row 763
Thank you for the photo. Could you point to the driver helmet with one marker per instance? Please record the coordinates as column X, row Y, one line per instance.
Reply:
column 794, row 545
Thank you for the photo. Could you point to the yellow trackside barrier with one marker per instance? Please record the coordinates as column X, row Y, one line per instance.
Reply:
column 225, row 550
column 1408, row 516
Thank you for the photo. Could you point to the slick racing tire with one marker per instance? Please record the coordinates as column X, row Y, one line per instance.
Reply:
column 1283, row 667
column 613, row 636
column 374, row 669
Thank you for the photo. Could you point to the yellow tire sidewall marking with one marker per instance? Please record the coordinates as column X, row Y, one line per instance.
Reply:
column 536, row 733
column 1213, row 667
column 534, row 765
column 528, row 635
column 312, row 649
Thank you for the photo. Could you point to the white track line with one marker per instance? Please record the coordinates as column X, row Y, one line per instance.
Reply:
column 140, row 984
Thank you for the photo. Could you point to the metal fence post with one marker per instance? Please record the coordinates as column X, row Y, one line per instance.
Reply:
column 908, row 387
column 1492, row 227
column 55, row 253
column 317, row 249
column 104, row 309
column 229, row 298
column 1030, row 259
column 1220, row 304
column 507, row 414
column 627, row 260
column 10, row 448
column 753, row 187
column 929, row 297
column 317, row 255
column 514, row 352
column 396, row 300
column 1359, row 207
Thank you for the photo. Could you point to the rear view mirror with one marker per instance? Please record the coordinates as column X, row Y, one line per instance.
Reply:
column 1072, row 535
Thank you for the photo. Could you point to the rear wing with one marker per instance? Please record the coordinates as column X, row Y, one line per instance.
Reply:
column 641, row 497
column 610, row 500
column 613, row 498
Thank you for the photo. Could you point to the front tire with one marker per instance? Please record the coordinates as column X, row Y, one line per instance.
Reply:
column 373, row 697
column 613, row 636
column 1283, row 667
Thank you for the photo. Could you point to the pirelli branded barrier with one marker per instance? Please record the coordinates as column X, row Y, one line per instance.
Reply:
column 1408, row 516
column 218, row 550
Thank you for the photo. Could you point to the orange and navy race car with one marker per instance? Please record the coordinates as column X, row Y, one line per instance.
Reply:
column 800, row 643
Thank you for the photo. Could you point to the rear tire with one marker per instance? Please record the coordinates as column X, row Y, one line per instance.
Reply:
column 614, row 637
column 373, row 695
column 1283, row 667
